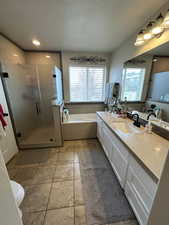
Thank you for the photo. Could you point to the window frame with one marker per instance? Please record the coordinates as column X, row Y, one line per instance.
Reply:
column 123, row 84
column 104, row 85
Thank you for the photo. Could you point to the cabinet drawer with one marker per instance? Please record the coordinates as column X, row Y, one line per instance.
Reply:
column 143, row 176
column 139, row 211
column 122, row 148
column 145, row 199
column 107, row 142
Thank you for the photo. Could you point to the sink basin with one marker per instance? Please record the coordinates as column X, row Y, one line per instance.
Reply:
column 127, row 128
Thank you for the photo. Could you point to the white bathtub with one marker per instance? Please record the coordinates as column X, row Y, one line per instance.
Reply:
column 80, row 126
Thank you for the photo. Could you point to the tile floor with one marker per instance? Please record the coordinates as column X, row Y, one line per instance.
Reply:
column 52, row 181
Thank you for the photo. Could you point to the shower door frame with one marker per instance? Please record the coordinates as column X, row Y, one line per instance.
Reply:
column 3, row 77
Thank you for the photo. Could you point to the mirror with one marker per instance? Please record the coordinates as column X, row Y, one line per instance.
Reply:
column 146, row 80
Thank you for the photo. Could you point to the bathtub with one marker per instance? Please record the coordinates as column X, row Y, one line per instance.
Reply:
column 80, row 126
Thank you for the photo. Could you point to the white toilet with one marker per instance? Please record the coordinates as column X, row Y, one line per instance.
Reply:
column 19, row 194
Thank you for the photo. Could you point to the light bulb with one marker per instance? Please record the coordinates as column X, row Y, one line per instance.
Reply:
column 157, row 30
column 140, row 36
column 158, row 27
column 166, row 23
column 48, row 56
column 148, row 36
column 36, row 42
column 139, row 43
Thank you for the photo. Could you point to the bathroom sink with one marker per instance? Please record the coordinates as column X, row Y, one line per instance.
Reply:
column 127, row 128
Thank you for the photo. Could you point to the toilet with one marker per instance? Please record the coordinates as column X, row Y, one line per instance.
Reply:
column 19, row 194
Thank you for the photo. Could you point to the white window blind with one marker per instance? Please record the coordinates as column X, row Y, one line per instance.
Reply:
column 87, row 84
column 132, row 84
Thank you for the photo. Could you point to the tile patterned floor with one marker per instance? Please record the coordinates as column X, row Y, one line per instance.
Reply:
column 52, row 180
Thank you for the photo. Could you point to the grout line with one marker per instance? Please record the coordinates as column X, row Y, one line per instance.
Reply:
column 49, row 197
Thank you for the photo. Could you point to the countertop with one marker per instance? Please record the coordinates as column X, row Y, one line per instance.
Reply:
column 151, row 149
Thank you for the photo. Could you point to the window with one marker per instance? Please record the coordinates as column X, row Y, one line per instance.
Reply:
column 132, row 84
column 87, row 84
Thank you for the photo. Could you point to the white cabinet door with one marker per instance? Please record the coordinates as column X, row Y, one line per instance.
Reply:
column 115, row 151
column 140, row 190
column 119, row 164
column 134, row 201
column 106, row 142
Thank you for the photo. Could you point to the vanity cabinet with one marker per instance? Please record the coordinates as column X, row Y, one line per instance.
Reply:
column 139, row 186
column 140, row 190
column 114, row 149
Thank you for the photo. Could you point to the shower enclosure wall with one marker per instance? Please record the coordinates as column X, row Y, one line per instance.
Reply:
column 34, row 95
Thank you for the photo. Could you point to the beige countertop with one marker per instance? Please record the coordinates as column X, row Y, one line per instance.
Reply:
column 151, row 149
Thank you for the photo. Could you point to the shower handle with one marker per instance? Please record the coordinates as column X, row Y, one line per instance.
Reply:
column 37, row 108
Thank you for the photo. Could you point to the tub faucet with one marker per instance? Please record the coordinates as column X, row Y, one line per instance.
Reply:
column 136, row 120
column 151, row 114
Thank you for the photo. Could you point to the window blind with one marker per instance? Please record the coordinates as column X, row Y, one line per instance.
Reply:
column 87, row 84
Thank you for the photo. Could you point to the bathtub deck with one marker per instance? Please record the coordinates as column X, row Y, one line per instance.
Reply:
column 81, row 118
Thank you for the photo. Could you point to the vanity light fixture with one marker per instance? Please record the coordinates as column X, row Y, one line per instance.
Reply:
column 15, row 55
column 48, row 56
column 36, row 42
column 158, row 27
column 154, row 29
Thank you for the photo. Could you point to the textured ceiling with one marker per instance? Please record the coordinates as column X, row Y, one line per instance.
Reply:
column 78, row 25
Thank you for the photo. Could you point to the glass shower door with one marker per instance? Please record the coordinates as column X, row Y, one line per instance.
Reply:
column 29, row 89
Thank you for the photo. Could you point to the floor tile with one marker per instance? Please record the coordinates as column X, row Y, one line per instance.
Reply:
column 36, row 198
column 79, row 200
column 32, row 157
column 64, row 172
column 34, row 218
column 77, row 171
column 44, row 175
column 66, row 156
column 80, row 215
column 63, row 216
column 51, row 159
column 23, row 176
column 61, row 195
column 68, row 146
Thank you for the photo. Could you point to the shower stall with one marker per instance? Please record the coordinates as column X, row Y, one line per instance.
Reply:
column 34, row 96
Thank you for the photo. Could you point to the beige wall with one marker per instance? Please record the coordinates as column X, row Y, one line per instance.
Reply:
column 10, row 53
column 66, row 62
column 84, row 108
column 40, row 58
column 128, row 51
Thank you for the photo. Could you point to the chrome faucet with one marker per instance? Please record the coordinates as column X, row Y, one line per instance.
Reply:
column 151, row 114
